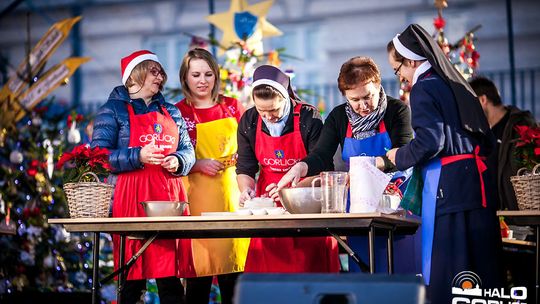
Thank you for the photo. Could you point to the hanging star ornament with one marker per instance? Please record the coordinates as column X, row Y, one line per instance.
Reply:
column 244, row 22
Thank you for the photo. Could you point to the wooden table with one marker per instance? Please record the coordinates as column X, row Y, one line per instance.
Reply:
column 289, row 225
column 527, row 218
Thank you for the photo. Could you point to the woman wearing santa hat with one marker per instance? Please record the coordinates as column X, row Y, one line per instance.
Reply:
column 212, row 122
column 274, row 135
column 150, row 150
column 459, row 226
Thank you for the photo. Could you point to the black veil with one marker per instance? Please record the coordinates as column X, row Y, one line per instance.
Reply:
column 473, row 119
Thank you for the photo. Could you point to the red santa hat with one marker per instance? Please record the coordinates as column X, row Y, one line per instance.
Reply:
column 128, row 63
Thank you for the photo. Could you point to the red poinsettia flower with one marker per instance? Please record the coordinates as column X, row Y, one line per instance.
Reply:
column 81, row 151
column 66, row 157
column 534, row 133
column 99, row 152
column 527, row 148
column 83, row 159
column 97, row 162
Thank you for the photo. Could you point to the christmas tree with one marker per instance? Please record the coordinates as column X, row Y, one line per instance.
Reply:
column 36, row 256
column 462, row 54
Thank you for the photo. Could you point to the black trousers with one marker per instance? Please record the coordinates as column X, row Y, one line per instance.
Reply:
column 170, row 291
column 198, row 289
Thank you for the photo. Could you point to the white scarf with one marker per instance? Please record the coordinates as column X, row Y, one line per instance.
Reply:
column 276, row 128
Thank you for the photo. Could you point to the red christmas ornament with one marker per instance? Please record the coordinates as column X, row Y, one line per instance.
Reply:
column 198, row 42
column 26, row 213
column 78, row 119
column 41, row 110
column 240, row 84
column 439, row 23
column 32, row 172
column 33, row 167
column 462, row 56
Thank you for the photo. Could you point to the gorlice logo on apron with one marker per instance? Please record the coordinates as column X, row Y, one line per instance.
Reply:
column 161, row 140
column 279, row 163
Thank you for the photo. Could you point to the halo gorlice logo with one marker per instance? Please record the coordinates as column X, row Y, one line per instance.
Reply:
column 279, row 154
column 467, row 289
column 467, row 283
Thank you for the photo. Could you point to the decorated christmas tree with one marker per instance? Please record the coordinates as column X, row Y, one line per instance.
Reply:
column 241, row 50
column 462, row 54
column 34, row 130
column 36, row 255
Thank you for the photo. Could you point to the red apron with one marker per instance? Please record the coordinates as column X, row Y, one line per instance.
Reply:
column 306, row 254
column 152, row 183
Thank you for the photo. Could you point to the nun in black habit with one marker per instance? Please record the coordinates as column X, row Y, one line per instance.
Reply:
column 460, row 230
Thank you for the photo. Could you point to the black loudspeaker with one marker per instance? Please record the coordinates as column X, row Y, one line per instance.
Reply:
column 347, row 288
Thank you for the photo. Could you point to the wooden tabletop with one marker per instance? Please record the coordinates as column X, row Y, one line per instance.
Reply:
column 519, row 213
column 518, row 242
column 521, row 217
column 242, row 226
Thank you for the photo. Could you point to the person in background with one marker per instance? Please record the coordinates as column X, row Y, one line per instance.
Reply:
column 212, row 121
column 369, row 123
column 502, row 121
column 275, row 134
column 150, row 150
column 460, row 229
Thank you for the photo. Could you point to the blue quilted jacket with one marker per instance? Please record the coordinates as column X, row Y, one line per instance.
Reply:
column 111, row 131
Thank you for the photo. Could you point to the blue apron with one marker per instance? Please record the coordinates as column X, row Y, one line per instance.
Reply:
column 377, row 145
column 431, row 173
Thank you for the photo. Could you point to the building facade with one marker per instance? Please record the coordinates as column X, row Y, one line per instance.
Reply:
column 321, row 33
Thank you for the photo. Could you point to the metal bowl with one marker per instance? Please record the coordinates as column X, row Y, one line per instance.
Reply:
column 300, row 200
column 164, row 208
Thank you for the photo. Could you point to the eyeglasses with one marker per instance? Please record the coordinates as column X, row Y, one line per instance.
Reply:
column 155, row 72
column 398, row 68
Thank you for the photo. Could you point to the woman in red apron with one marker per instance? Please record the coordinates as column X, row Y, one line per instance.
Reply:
column 273, row 135
column 150, row 150
column 212, row 121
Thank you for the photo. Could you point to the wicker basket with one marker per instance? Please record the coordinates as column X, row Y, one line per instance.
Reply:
column 88, row 199
column 527, row 188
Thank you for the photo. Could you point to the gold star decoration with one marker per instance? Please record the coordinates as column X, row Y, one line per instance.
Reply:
column 225, row 22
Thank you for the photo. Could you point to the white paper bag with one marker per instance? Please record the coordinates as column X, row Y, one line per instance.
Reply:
column 367, row 184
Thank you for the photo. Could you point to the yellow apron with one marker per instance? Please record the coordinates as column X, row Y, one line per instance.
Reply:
column 217, row 140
